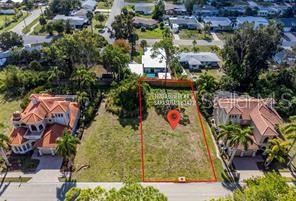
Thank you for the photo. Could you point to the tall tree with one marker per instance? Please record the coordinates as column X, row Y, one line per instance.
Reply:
column 289, row 132
column 133, row 41
column 189, row 5
column 159, row 10
column 10, row 39
column 241, row 137
column 55, row 74
column 123, row 25
column 115, row 61
column 100, row 17
column 143, row 44
column 165, row 48
column 66, row 146
column 84, row 79
column 90, row 16
column 246, row 53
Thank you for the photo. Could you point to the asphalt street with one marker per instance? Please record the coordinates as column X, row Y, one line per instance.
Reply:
column 56, row 191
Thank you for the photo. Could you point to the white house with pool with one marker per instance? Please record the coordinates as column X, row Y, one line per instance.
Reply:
column 153, row 65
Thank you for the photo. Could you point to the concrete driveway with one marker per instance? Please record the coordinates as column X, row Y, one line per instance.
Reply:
column 48, row 169
column 247, row 167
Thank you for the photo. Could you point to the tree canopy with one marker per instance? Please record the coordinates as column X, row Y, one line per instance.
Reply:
column 246, row 54
column 81, row 47
column 9, row 40
column 123, row 99
column 116, row 61
column 63, row 6
column 123, row 25
column 129, row 192
column 271, row 187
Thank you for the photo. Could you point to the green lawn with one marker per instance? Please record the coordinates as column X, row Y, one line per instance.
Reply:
column 103, row 5
column 7, row 107
column 111, row 148
column 150, row 34
column 194, row 35
column 4, row 18
column 216, row 73
column 12, row 24
column 200, row 48
column 224, row 35
column 169, row 153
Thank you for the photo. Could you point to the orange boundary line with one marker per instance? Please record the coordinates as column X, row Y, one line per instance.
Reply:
column 142, row 136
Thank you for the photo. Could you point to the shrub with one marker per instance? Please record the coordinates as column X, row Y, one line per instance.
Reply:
column 143, row 29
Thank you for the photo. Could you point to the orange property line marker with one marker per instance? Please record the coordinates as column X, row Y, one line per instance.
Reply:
column 190, row 85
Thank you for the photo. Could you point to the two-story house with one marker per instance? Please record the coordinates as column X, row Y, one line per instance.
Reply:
column 42, row 122
column 247, row 111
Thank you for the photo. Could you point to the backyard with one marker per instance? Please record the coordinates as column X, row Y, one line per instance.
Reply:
column 194, row 35
column 110, row 149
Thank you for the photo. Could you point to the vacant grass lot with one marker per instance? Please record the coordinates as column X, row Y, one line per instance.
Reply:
column 170, row 154
column 150, row 34
column 7, row 107
column 194, row 35
column 111, row 148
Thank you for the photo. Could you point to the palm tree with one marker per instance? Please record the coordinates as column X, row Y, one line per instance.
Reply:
column 82, row 98
column 3, row 145
column 226, row 131
column 67, row 146
column 289, row 132
column 55, row 74
column 240, row 137
column 277, row 150
column 84, row 78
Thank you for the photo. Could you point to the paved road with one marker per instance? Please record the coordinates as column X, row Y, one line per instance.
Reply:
column 115, row 10
column 56, row 191
column 20, row 26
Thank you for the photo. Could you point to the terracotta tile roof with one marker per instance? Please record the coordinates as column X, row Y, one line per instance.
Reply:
column 74, row 110
column 43, row 105
column 51, row 134
column 17, row 136
column 257, row 110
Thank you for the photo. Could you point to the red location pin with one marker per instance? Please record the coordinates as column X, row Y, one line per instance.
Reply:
column 174, row 117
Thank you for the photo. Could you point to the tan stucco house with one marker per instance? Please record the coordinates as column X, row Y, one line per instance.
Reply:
column 42, row 122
